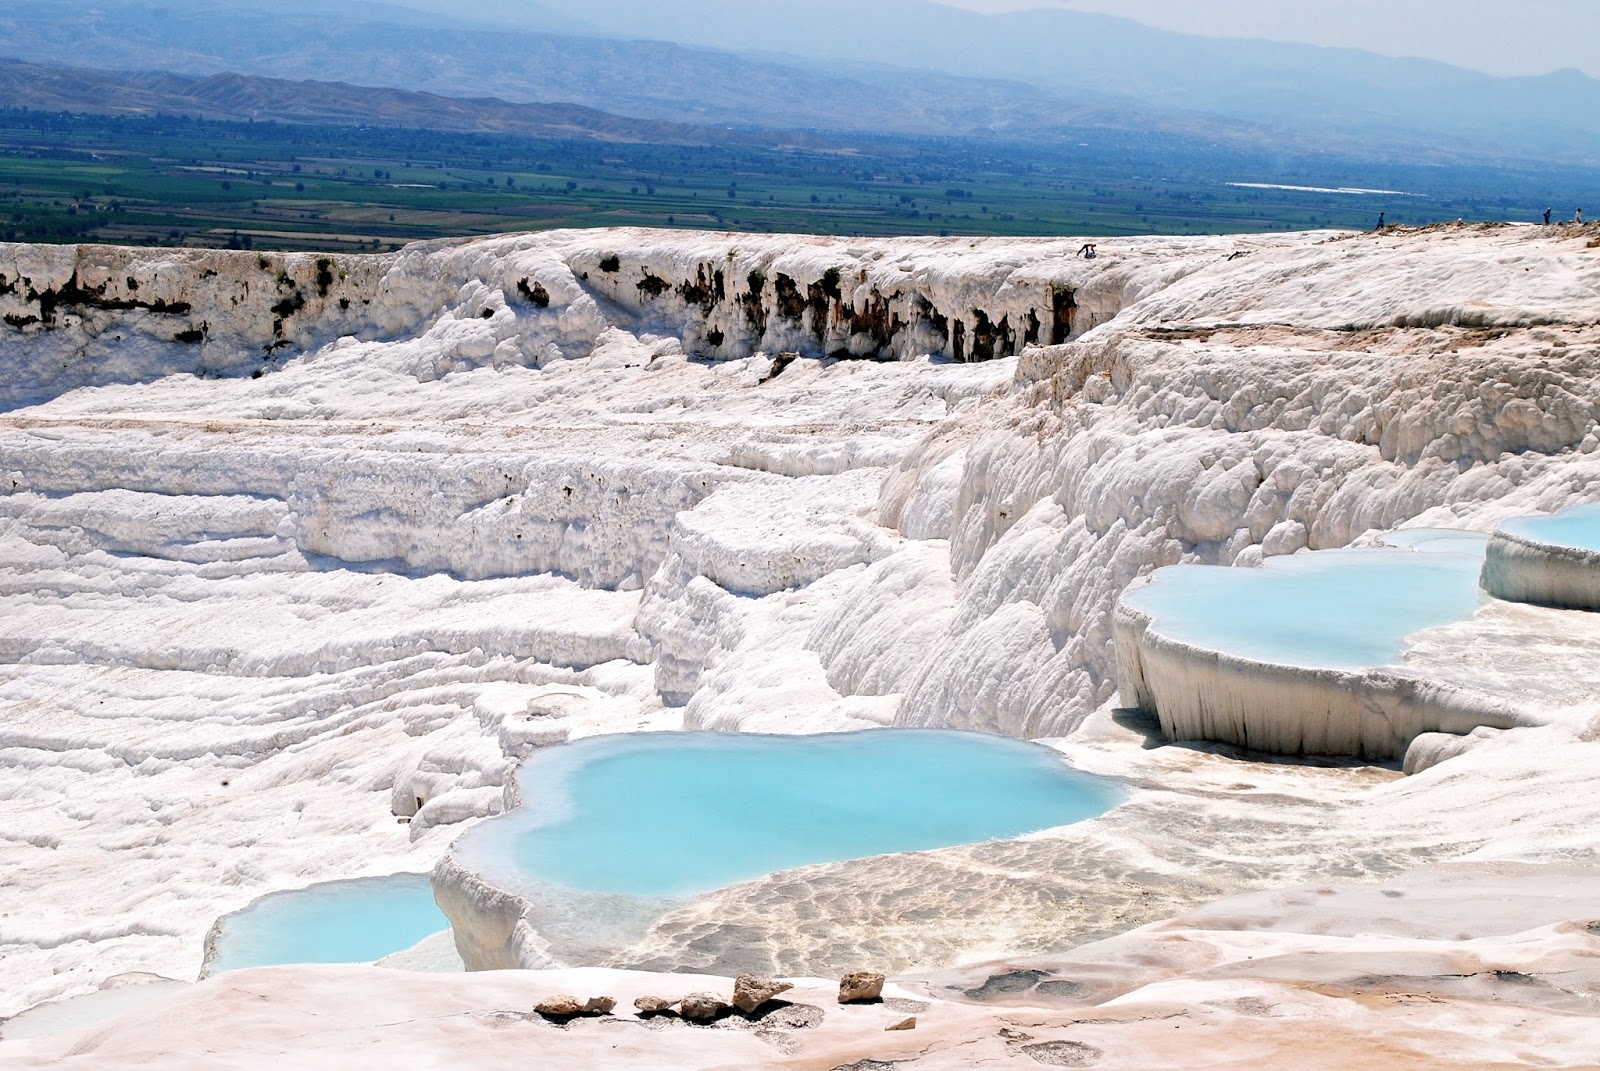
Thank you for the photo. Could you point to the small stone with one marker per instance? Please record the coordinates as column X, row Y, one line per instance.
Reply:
column 908, row 1023
column 559, row 1006
column 750, row 992
column 600, row 1006
column 860, row 986
column 653, row 1005
column 701, row 1007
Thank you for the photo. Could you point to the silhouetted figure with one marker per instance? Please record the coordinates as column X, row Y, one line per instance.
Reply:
column 1580, row 216
column 1087, row 252
column 1547, row 216
column 1381, row 223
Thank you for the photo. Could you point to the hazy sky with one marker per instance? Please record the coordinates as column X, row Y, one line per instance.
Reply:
column 1498, row 36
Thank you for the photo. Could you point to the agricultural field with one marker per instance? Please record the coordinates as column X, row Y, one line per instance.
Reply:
column 176, row 181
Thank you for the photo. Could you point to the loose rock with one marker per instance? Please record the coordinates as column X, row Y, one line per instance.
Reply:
column 653, row 1005
column 908, row 1023
column 858, row 987
column 750, row 992
column 701, row 1007
column 562, row 1005
column 599, row 1006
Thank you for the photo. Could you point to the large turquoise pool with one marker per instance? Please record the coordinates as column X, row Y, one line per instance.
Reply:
column 1578, row 527
column 673, row 814
column 1334, row 609
column 337, row 922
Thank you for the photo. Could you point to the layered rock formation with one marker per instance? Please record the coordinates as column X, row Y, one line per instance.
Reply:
column 294, row 550
column 1533, row 560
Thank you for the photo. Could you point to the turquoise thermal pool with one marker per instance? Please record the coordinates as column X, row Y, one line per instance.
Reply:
column 338, row 922
column 674, row 814
column 1334, row 609
column 1578, row 527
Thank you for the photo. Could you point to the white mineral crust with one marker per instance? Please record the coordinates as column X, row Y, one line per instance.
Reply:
column 484, row 496
column 1523, row 569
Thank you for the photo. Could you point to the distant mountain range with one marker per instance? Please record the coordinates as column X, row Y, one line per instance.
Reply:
column 898, row 66
column 386, row 46
column 1311, row 90
column 249, row 97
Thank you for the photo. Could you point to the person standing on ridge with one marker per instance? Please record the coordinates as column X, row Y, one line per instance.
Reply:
column 1580, row 216
column 1381, row 223
column 1547, row 216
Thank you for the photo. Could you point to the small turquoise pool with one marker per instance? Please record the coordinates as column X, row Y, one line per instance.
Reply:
column 337, row 922
column 1578, row 527
column 675, row 814
column 1332, row 609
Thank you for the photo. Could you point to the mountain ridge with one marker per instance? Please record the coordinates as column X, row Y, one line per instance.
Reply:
column 1351, row 92
column 235, row 96
column 843, row 69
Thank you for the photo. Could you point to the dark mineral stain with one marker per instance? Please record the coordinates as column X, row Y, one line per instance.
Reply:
column 1062, row 1053
column 1063, row 313
column 997, row 985
column 534, row 292
column 75, row 294
column 324, row 275
column 790, row 302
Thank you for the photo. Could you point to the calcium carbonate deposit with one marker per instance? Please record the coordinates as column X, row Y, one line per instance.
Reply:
column 302, row 556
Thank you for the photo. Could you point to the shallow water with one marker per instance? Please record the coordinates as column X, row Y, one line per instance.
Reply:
column 91, row 1009
column 1438, row 541
column 672, row 814
column 336, row 922
column 1577, row 527
column 1336, row 609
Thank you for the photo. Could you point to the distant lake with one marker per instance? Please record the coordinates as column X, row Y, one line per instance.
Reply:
column 1355, row 191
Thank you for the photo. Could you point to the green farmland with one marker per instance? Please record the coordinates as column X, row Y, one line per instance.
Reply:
column 175, row 181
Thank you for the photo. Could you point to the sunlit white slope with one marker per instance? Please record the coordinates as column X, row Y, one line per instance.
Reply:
column 533, row 487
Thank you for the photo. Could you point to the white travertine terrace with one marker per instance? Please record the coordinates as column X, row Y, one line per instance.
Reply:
column 1521, row 568
column 1202, row 693
column 516, row 491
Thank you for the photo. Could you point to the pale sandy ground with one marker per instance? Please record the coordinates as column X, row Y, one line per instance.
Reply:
column 1463, row 967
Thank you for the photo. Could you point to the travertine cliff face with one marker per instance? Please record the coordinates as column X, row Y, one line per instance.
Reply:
column 86, row 315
